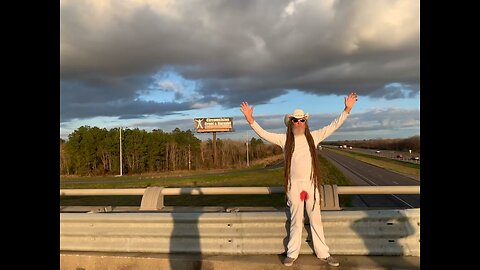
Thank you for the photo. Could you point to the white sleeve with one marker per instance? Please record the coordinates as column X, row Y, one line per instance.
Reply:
column 320, row 134
column 275, row 138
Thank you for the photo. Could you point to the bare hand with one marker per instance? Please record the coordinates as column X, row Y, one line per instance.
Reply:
column 350, row 101
column 247, row 112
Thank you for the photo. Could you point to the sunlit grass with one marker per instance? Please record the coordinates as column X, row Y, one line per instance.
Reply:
column 256, row 176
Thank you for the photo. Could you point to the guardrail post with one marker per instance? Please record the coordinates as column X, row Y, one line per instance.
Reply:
column 152, row 199
column 329, row 196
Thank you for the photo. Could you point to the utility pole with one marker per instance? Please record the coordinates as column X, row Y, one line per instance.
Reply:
column 121, row 172
column 189, row 157
column 248, row 163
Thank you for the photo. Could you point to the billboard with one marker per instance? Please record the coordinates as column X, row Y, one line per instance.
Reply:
column 221, row 124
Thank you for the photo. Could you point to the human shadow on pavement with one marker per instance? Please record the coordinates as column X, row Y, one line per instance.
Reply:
column 185, row 239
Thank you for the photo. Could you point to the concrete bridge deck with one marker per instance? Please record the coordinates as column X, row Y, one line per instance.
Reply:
column 150, row 261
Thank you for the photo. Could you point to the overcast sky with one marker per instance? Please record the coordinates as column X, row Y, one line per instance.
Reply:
column 159, row 64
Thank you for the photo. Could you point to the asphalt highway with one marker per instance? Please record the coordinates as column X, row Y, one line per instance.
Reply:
column 361, row 174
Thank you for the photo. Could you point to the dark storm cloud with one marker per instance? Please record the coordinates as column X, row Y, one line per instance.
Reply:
column 94, row 96
column 124, row 109
column 111, row 49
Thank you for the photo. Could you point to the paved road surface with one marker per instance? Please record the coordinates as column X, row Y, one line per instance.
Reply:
column 361, row 173
column 383, row 153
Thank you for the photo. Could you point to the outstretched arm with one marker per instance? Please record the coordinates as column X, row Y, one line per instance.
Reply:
column 321, row 134
column 275, row 138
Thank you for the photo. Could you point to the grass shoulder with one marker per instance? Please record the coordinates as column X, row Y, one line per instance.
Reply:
column 257, row 175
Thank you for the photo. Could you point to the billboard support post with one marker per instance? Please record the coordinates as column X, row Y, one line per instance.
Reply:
column 214, row 125
column 215, row 149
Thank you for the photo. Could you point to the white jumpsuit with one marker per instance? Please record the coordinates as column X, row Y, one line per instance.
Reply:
column 300, row 171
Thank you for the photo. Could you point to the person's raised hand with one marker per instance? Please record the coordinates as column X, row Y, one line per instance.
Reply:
column 247, row 111
column 350, row 101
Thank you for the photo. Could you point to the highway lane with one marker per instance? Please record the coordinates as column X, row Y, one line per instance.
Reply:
column 383, row 153
column 361, row 173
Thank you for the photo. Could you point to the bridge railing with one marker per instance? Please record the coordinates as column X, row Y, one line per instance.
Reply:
column 153, row 197
column 360, row 232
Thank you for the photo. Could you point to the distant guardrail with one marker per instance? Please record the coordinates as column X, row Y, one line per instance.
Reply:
column 153, row 197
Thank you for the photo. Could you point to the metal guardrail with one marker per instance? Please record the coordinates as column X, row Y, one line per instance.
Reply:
column 238, row 190
column 367, row 232
column 153, row 197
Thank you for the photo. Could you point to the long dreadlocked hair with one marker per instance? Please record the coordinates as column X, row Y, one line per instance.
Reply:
column 289, row 147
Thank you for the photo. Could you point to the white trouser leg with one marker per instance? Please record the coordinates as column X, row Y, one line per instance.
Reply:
column 316, row 226
column 296, row 220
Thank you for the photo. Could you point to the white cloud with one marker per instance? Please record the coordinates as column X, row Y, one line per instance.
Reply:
column 291, row 7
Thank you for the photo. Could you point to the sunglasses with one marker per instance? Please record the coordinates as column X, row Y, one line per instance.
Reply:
column 295, row 120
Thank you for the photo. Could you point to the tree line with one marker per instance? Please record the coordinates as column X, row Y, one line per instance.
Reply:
column 96, row 151
column 411, row 143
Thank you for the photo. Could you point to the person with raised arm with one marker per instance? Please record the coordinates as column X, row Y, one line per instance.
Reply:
column 301, row 174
